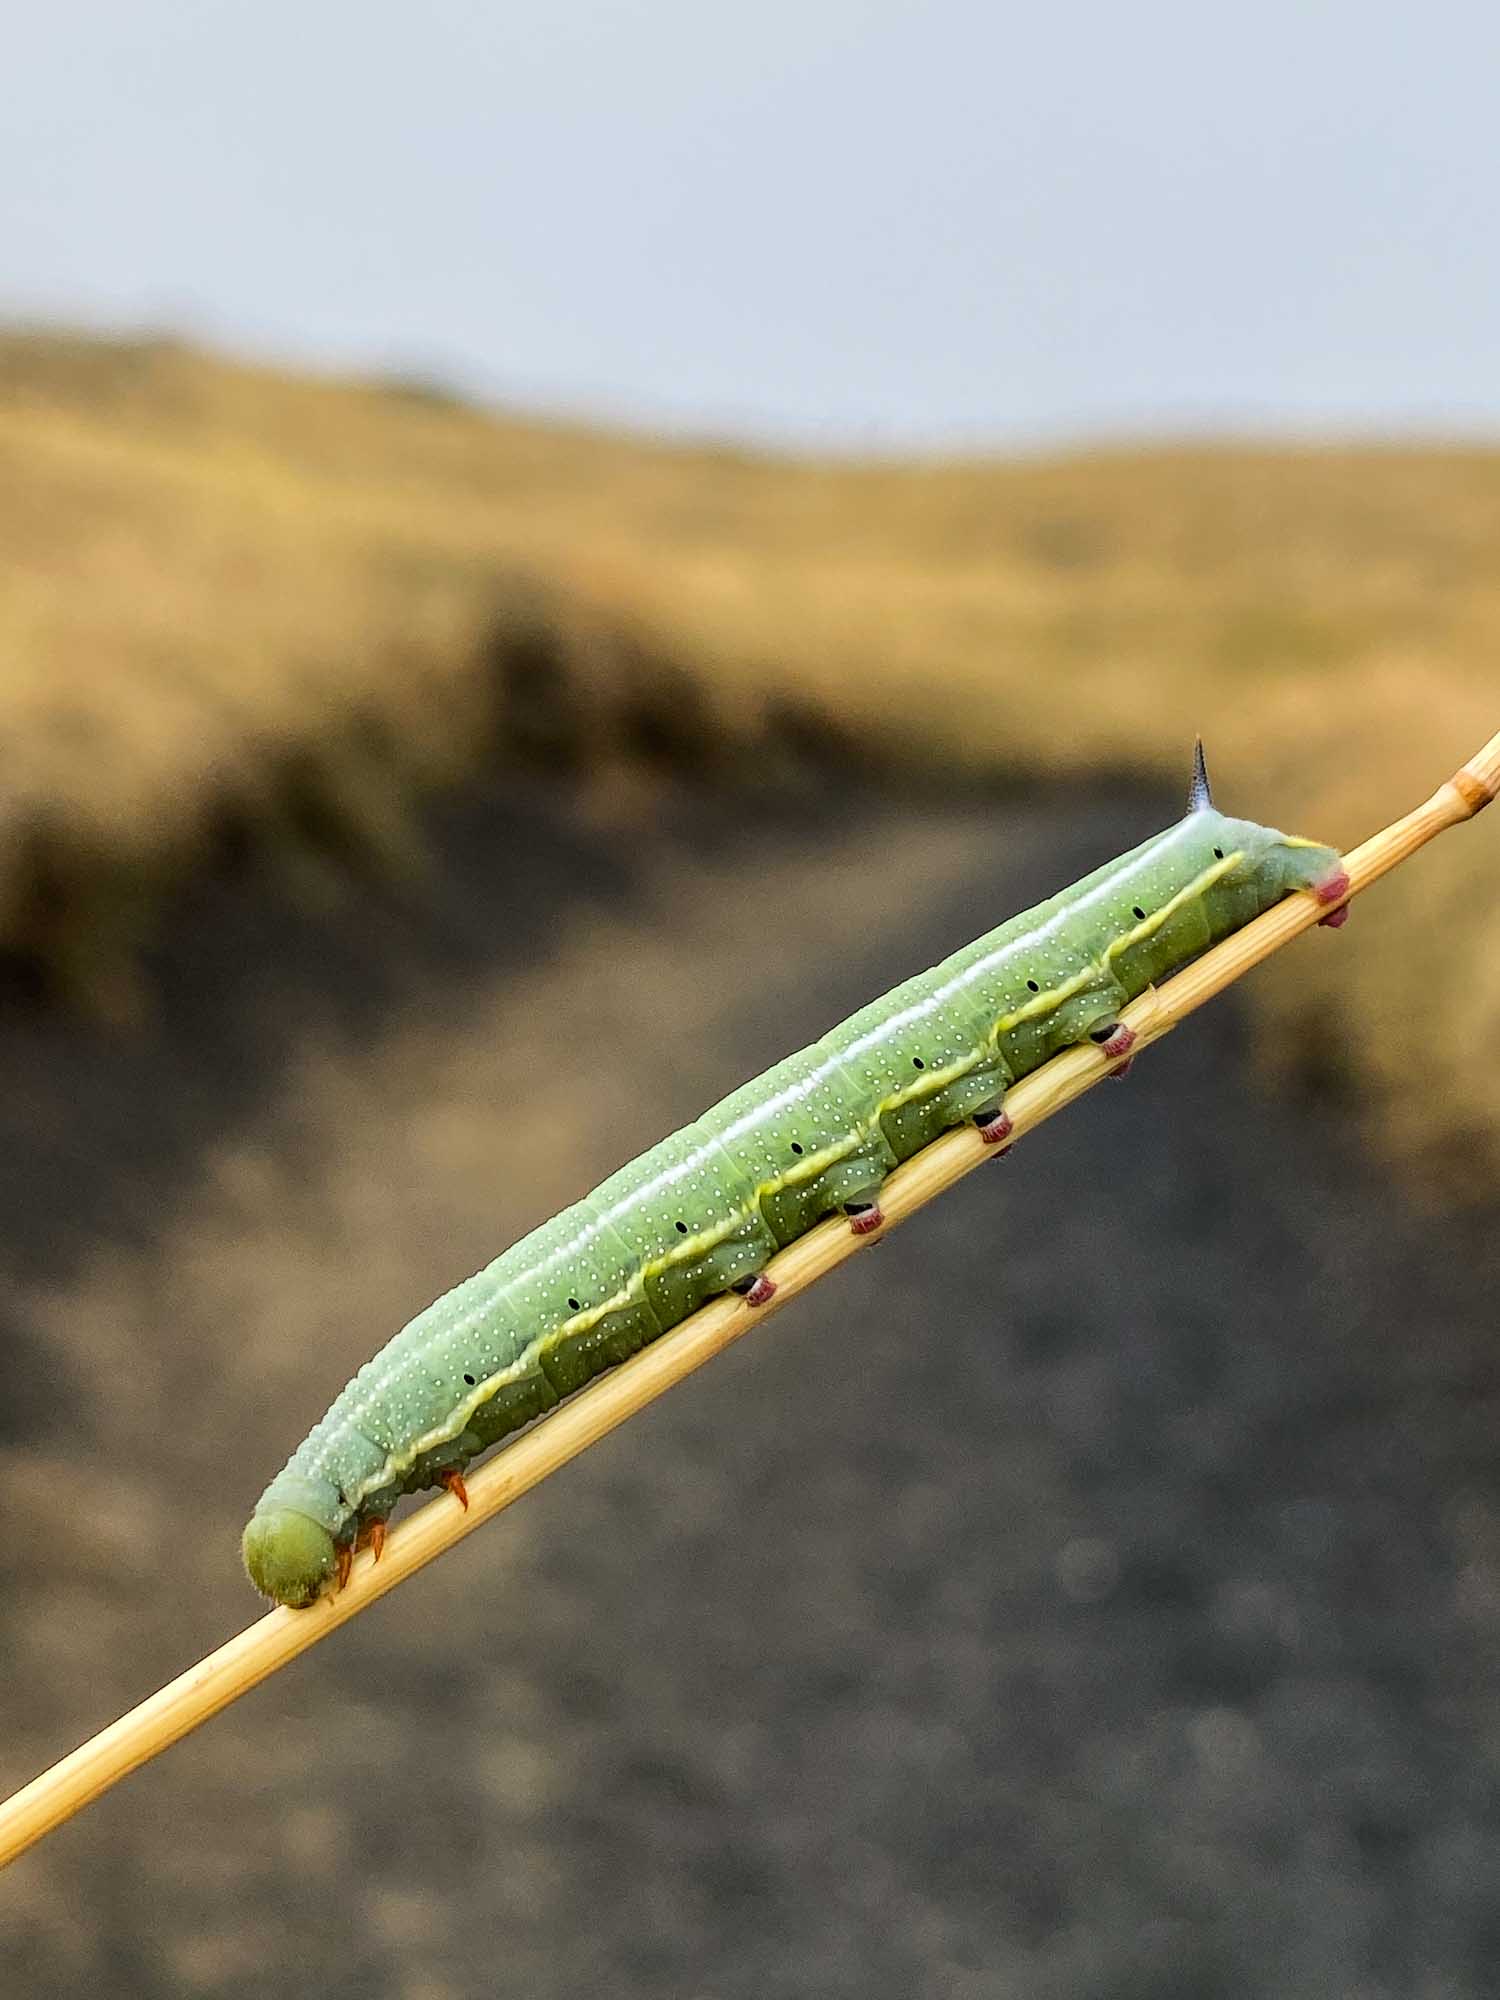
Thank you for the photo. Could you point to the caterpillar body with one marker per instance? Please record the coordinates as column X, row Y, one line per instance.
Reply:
column 705, row 1210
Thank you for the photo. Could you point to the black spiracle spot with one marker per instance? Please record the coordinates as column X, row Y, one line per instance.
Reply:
column 470, row 1380
column 682, row 1229
column 575, row 1305
column 1218, row 854
column 796, row 1148
column 1137, row 911
column 917, row 1063
column 1032, row 987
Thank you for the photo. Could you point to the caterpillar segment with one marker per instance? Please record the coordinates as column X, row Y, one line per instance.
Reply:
column 705, row 1210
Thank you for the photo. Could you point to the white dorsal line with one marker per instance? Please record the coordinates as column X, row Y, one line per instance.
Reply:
column 396, row 1462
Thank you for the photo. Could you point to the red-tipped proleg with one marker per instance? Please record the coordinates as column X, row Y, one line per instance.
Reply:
column 1328, row 891
column 1332, row 886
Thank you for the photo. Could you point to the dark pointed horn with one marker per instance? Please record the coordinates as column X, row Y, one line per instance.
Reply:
column 1199, row 796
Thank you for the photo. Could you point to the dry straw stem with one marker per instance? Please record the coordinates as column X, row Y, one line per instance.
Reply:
column 277, row 1638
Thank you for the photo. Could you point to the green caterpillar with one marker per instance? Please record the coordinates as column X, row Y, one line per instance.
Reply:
column 704, row 1211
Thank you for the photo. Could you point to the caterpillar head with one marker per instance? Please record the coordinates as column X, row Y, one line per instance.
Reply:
column 289, row 1555
column 1279, row 861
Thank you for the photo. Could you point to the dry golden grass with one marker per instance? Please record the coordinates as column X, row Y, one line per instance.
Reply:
column 239, row 608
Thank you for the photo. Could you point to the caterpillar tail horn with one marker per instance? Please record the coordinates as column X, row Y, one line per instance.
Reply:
column 1200, row 799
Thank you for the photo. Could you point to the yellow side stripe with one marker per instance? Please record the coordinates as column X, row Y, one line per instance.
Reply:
column 1194, row 890
column 692, row 1247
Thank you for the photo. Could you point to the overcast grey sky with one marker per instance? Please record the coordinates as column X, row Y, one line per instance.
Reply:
column 878, row 224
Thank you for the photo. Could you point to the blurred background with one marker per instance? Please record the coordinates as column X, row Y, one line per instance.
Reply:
column 544, row 558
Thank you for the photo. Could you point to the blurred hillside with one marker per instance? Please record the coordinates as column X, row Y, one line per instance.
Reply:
column 248, row 615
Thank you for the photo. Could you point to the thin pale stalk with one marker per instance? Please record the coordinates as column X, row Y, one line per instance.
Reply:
column 281, row 1635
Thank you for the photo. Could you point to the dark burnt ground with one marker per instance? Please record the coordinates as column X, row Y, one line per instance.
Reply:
column 1094, row 1591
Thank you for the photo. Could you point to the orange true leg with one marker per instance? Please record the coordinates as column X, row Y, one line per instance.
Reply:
column 371, row 1536
column 454, row 1481
column 345, row 1562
